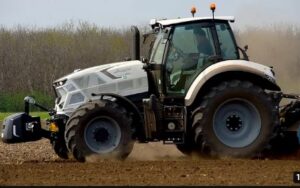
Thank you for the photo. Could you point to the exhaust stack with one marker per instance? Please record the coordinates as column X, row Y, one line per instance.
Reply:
column 135, row 43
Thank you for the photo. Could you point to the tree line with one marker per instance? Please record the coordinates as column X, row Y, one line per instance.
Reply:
column 31, row 59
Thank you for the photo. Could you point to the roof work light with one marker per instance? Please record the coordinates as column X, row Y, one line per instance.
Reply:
column 193, row 10
column 213, row 8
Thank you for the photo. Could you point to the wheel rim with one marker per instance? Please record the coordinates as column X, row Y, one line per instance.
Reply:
column 237, row 123
column 102, row 135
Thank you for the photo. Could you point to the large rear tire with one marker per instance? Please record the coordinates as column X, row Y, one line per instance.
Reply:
column 100, row 128
column 238, row 120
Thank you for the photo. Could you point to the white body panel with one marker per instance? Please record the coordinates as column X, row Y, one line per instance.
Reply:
column 123, row 78
column 225, row 66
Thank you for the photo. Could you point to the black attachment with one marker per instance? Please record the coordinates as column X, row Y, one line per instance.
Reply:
column 21, row 127
column 290, row 96
column 290, row 113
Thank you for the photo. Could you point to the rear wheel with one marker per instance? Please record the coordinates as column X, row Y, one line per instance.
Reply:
column 238, row 120
column 99, row 128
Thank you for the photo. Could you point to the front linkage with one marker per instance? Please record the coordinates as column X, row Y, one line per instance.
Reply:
column 21, row 127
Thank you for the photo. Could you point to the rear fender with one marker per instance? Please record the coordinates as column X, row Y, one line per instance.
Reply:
column 233, row 69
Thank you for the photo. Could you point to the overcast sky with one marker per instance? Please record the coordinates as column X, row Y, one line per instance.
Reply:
column 122, row 13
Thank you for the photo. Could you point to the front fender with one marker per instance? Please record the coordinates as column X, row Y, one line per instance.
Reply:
column 241, row 66
column 137, row 124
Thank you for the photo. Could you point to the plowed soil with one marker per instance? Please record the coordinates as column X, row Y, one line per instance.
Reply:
column 149, row 164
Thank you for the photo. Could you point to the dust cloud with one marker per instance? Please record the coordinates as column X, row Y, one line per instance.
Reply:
column 153, row 151
column 277, row 46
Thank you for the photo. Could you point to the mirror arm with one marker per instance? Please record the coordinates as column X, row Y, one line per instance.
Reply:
column 41, row 107
column 30, row 100
column 246, row 57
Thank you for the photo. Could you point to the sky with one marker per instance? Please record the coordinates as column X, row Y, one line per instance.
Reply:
column 123, row 13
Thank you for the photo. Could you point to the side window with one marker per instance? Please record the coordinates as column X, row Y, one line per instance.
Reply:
column 228, row 49
column 205, row 41
column 184, row 40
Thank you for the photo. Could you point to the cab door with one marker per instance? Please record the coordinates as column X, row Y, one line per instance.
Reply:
column 154, row 66
column 153, row 106
column 188, row 55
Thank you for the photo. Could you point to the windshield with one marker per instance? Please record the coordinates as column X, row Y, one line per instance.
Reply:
column 158, row 49
column 147, row 45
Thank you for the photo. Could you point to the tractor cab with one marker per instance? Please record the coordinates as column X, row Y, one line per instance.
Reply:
column 183, row 49
column 186, row 47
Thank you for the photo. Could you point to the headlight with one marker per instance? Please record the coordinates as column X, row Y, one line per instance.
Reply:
column 59, row 83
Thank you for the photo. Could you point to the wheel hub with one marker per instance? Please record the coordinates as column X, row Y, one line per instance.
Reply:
column 234, row 123
column 237, row 123
column 101, row 135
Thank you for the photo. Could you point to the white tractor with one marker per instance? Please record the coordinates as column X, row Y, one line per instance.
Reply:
column 194, row 90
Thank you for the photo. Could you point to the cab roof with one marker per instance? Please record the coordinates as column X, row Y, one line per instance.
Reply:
column 186, row 20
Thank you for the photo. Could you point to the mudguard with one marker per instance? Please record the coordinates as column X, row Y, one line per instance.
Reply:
column 228, row 66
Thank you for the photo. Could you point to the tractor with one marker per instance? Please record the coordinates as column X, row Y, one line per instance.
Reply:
column 196, row 89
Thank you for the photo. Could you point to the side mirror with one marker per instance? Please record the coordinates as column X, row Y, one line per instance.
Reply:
column 246, row 48
column 30, row 100
column 246, row 57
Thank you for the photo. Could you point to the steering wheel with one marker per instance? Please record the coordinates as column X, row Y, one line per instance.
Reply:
column 177, row 52
column 180, row 53
column 174, row 55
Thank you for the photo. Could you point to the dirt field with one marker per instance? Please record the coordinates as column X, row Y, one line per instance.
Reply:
column 148, row 164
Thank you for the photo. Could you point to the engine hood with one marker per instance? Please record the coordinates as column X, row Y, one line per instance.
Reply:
column 118, row 66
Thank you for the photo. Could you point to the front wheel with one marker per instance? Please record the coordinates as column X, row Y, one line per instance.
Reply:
column 60, row 148
column 189, row 147
column 186, row 148
column 100, row 128
column 238, row 120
